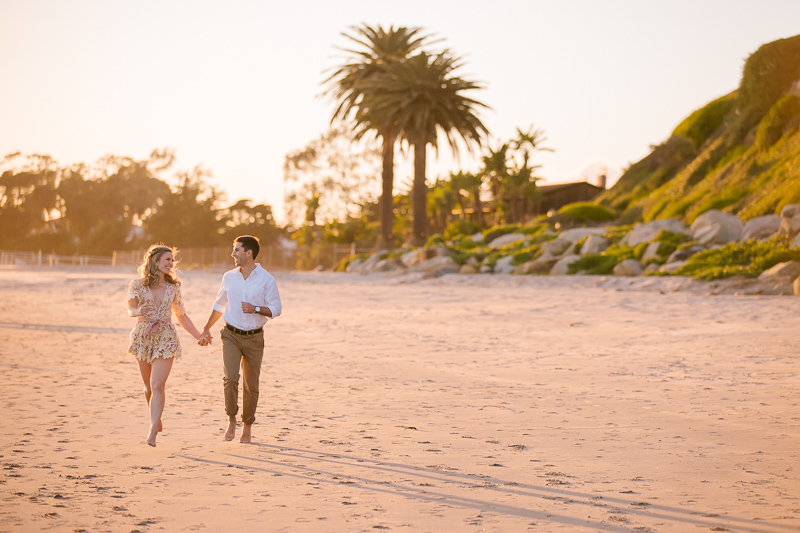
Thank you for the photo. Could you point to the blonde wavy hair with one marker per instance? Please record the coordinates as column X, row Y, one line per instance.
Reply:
column 148, row 269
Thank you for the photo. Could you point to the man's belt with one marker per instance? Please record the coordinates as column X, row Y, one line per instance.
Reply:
column 243, row 332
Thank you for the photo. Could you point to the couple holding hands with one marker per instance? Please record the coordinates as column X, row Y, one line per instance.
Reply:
column 248, row 297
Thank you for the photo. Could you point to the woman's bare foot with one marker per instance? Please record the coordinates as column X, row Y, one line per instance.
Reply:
column 230, row 431
column 151, row 439
column 245, row 433
column 160, row 427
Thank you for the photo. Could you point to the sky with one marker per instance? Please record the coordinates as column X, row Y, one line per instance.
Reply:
column 235, row 86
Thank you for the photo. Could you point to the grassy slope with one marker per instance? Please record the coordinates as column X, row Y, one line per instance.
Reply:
column 718, row 158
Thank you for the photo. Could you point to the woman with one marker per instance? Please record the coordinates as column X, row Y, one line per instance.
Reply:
column 153, row 298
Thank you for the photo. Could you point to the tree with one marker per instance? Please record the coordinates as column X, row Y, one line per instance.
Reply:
column 511, row 176
column 188, row 216
column 419, row 99
column 349, row 85
column 469, row 184
column 28, row 200
column 244, row 219
column 332, row 177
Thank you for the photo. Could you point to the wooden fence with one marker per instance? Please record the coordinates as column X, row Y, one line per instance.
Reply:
column 43, row 259
column 271, row 257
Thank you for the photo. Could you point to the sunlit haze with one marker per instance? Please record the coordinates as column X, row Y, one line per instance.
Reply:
column 234, row 87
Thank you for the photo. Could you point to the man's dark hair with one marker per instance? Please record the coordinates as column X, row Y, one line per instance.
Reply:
column 249, row 242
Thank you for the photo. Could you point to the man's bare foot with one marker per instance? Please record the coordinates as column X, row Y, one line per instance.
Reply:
column 245, row 433
column 230, row 432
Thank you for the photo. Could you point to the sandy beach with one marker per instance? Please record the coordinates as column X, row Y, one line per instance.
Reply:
column 463, row 403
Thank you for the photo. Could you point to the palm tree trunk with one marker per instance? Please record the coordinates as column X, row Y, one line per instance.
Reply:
column 419, row 198
column 478, row 208
column 386, row 237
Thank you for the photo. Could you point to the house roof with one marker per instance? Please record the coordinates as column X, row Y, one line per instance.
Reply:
column 560, row 186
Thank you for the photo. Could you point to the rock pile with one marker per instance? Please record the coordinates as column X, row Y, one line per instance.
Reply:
column 711, row 229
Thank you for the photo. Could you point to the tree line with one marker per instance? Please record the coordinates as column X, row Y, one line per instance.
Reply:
column 119, row 203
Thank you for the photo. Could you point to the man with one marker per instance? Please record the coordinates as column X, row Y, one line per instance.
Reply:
column 248, row 297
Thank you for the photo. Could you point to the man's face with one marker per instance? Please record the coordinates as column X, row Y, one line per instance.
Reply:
column 239, row 254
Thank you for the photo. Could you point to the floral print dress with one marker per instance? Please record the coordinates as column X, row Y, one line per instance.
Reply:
column 156, row 336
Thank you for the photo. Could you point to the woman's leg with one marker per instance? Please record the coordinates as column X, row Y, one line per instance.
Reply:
column 144, row 370
column 158, row 380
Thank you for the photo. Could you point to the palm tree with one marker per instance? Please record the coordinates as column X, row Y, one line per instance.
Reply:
column 349, row 85
column 420, row 99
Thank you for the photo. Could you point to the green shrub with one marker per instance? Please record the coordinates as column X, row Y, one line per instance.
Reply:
column 748, row 259
column 345, row 261
column 639, row 250
column 768, row 74
column 602, row 263
column 466, row 243
column 521, row 257
column 435, row 240
column 587, row 212
column 701, row 124
column 771, row 127
column 460, row 228
column 720, row 201
column 616, row 233
column 498, row 231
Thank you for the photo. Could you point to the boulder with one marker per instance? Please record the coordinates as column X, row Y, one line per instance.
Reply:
column 485, row 269
column 795, row 242
column 651, row 252
column 577, row 234
column 354, row 265
column 388, row 265
column 651, row 268
column 562, row 265
column 650, row 230
column 796, row 287
column 716, row 227
column 439, row 251
column 594, row 244
column 671, row 268
column 787, row 269
column 628, row 267
column 556, row 246
column 684, row 253
column 542, row 265
column 436, row 266
column 503, row 265
column 790, row 211
column 509, row 238
column 790, row 225
column 414, row 257
column 478, row 237
column 760, row 228
column 468, row 269
column 368, row 264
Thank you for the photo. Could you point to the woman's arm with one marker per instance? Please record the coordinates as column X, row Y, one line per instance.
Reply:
column 135, row 310
column 133, row 307
column 188, row 325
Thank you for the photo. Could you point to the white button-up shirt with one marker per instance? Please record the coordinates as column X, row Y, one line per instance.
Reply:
column 258, row 289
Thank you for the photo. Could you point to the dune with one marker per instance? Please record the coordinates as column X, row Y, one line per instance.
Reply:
column 466, row 403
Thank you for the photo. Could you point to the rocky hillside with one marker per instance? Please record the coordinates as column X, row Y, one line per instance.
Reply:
column 739, row 154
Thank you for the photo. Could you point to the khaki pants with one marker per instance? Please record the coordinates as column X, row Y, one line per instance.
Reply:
column 247, row 350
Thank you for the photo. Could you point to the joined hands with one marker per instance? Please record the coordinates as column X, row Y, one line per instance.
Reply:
column 205, row 339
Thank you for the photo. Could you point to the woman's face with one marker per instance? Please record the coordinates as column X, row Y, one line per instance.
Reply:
column 165, row 263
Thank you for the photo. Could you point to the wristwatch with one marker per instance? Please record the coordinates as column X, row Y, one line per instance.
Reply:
column 258, row 310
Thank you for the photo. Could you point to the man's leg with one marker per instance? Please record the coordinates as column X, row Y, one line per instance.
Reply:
column 252, row 355
column 231, row 358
